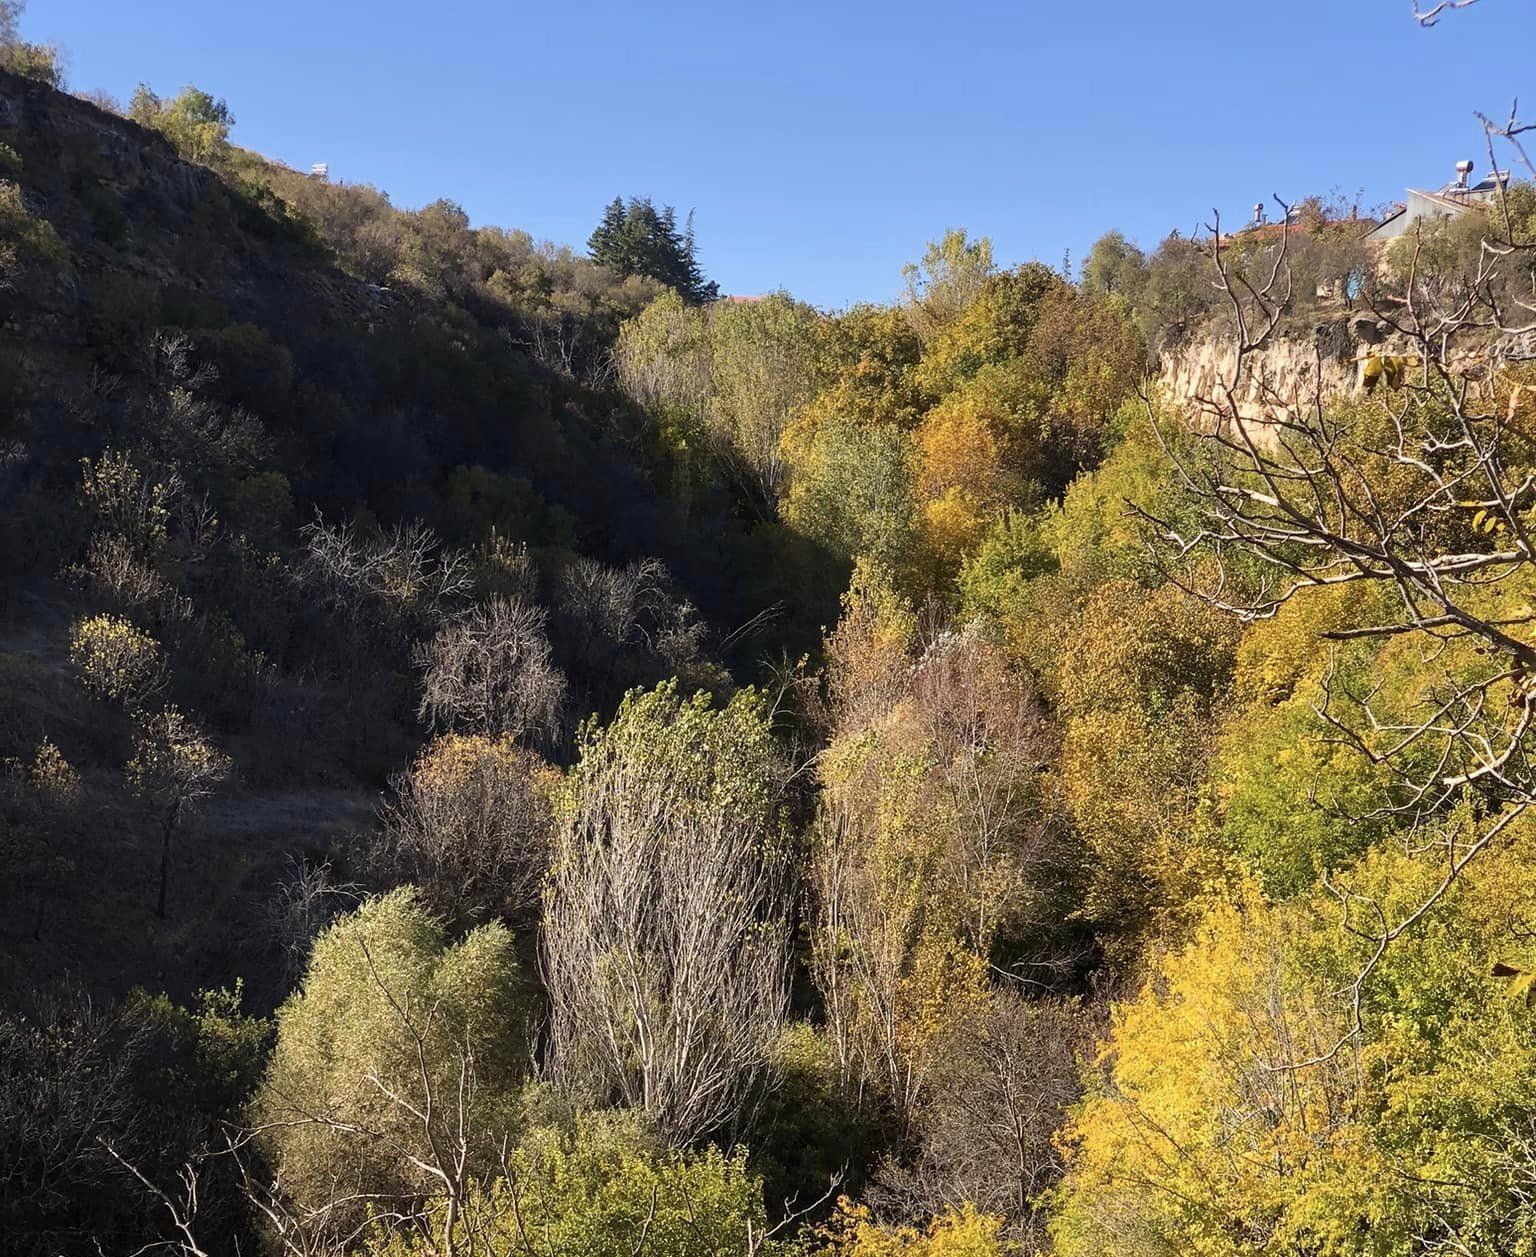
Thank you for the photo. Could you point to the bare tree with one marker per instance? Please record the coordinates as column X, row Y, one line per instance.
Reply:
column 1431, row 15
column 490, row 672
column 666, row 926
column 987, row 1136
column 174, row 767
column 306, row 900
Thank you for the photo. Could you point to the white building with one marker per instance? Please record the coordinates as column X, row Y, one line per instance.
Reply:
column 1449, row 202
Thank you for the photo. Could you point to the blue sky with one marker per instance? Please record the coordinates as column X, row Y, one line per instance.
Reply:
column 821, row 144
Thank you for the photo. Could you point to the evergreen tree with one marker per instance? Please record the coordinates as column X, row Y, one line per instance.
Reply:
column 638, row 239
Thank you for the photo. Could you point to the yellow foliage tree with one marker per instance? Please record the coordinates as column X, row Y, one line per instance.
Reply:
column 931, row 822
column 962, row 1232
column 1237, row 1110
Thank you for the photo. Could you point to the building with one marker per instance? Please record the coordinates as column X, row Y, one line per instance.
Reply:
column 1449, row 202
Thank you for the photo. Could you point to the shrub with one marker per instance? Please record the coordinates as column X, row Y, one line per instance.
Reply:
column 115, row 660
column 470, row 825
column 394, row 1040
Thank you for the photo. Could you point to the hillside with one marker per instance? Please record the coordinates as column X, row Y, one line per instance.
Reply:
column 190, row 325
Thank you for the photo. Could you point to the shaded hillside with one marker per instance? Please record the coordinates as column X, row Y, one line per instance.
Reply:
column 376, row 399
column 190, row 379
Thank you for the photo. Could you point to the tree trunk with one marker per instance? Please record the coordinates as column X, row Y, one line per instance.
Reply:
column 167, row 828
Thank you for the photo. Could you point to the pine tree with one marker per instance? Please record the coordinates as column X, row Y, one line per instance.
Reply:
column 637, row 239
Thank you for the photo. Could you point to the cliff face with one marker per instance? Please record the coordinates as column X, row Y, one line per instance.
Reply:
column 1295, row 370
column 1298, row 371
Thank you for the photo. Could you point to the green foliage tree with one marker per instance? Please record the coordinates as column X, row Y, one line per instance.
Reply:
column 852, row 493
column 951, row 275
column 398, row 1067
column 635, row 238
column 764, row 370
column 43, row 62
column 729, row 379
column 196, row 123
column 1116, row 265
column 606, row 1186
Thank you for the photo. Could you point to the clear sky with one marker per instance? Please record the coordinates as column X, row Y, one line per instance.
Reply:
column 821, row 144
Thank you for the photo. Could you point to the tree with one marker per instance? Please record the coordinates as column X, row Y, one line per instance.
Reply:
column 115, row 660
column 1420, row 493
column 173, row 768
column 43, row 62
column 1115, row 265
column 664, row 362
column 1221, row 1120
column 397, row 1071
column 604, row 1185
column 730, row 378
column 637, row 239
column 764, row 371
column 971, row 460
column 65, row 1082
column 949, row 278
column 489, row 672
column 390, row 585
column 987, row 1136
column 39, row 817
column 851, row 491
column 628, row 626
column 470, row 826
column 196, row 123
column 931, row 836
column 666, row 929
column 954, row 1232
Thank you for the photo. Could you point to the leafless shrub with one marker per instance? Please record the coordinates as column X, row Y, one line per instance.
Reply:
column 987, row 1136
column 505, row 569
column 490, row 672
column 306, row 900
column 616, row 602
column 64, row 1082
column 170, row 361
column 394, row 581
column 566, row 344
column 626, row 626
column 115, row 573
